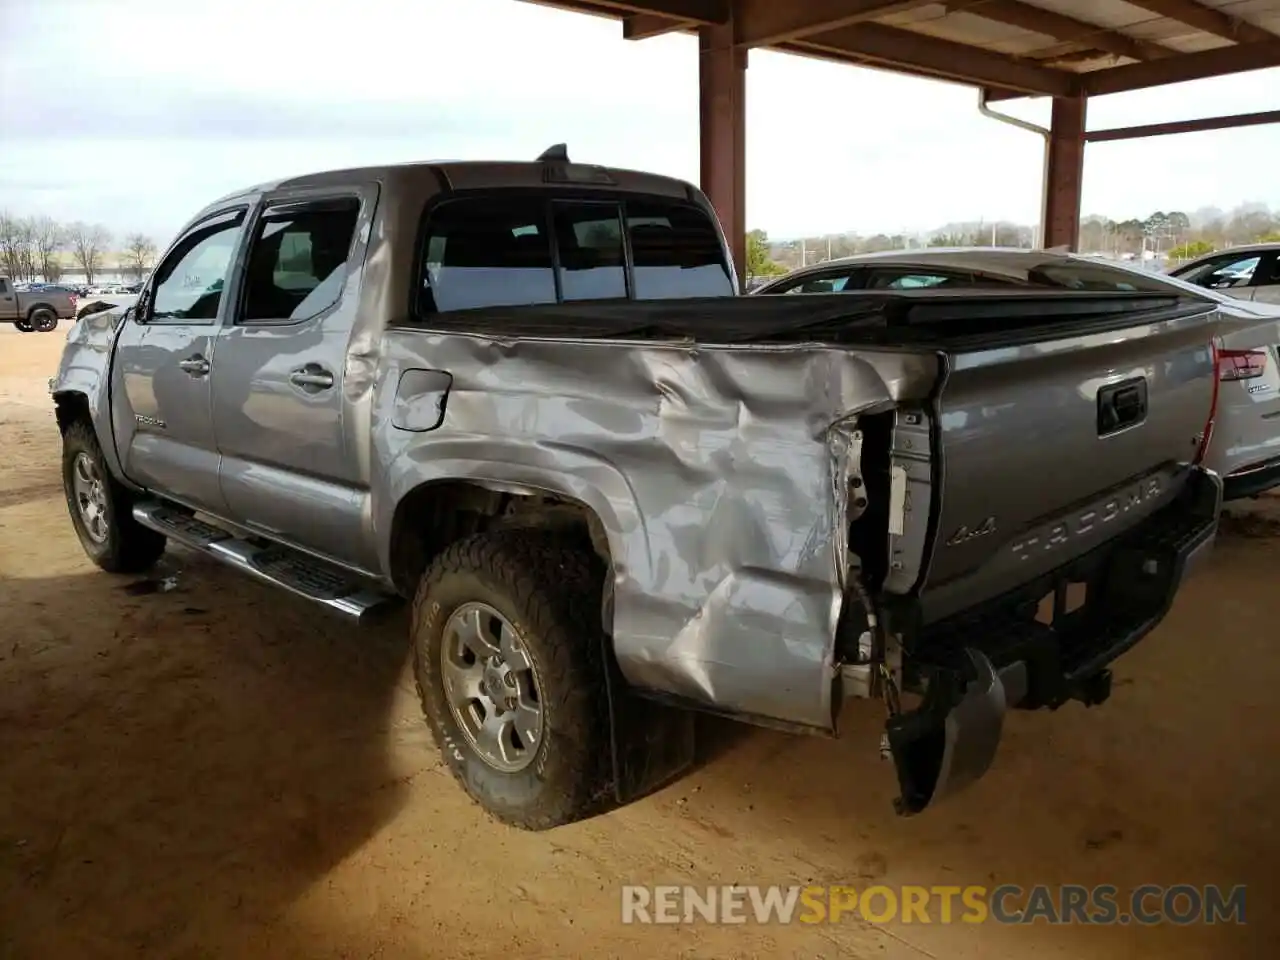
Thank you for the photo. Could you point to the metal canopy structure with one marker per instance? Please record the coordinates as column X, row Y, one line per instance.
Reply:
column 1065, row 49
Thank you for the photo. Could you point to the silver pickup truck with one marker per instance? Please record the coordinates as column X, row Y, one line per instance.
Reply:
column 527, row 397
column 35, row 311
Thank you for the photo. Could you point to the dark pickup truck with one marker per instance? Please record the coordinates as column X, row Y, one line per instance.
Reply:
column 35, row 311
column 527, row 397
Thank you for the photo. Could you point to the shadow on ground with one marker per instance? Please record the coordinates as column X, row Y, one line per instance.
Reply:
column 218, row 771
column 182, row 757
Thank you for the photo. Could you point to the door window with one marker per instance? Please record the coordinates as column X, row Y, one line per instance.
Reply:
column 1268, row 271
column 298, row 260
column 895, row 280
column 1222, row 273
column 189, row 283
column 828, row 284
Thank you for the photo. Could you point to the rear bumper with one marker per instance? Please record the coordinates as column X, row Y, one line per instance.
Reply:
column 974, row 666
column 1251, row 482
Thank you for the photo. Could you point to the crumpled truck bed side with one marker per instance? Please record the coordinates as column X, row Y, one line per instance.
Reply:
column 718, row 473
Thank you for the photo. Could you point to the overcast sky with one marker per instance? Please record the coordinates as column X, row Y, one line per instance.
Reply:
column 137, row 112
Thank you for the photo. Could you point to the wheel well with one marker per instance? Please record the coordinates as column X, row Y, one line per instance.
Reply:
column 70, row 408
column 436, row 514
column 40, row 306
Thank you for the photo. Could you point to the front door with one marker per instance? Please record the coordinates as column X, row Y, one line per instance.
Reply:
column 290, row 467
column 163, row 414
column 8, row 300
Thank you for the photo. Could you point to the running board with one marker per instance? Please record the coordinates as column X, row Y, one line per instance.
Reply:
column 278, row 565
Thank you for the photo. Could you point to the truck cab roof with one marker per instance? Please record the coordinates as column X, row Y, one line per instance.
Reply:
column 481, row 174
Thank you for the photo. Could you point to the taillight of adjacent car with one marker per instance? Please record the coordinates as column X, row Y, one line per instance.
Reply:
column 1241, row 364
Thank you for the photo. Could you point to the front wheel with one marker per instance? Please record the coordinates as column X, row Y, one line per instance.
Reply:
column 508, row 657
column 43, row 320
column 101, row 509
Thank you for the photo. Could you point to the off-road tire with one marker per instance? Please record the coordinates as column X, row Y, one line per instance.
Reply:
column 550, row 591
column 129, row 547
column 43, row 320
column 24, row 326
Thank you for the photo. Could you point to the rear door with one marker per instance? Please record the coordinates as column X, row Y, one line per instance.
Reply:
column 161, row 404
column 290, row 466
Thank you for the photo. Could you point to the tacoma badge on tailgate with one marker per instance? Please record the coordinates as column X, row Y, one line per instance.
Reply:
column 1114, row 506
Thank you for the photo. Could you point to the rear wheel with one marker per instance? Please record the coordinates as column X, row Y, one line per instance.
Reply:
column 43, row 320
column 101, row 509
column 508, row 656
column 24, row 325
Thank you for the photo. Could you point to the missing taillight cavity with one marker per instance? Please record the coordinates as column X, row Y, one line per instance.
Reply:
column 1206, row 436
column 1241, row 364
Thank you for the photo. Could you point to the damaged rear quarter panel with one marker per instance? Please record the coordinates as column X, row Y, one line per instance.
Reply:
column 715, row 472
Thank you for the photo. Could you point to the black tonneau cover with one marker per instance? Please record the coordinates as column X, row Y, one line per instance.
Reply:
column 924, row 318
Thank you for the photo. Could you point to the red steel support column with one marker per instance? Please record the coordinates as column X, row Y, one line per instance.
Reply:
column 1064, row 173
column 722, row 81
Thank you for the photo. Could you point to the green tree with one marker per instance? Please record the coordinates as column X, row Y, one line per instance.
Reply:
column 760, row 262
column 1191, row 250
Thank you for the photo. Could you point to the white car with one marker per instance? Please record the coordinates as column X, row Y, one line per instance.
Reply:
column 1245, row 446
column 1246, row 273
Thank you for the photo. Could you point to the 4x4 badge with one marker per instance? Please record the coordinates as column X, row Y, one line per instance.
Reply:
column 964, row 534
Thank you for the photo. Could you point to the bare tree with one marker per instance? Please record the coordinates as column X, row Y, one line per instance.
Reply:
column 139, row 254
column 16, row 255
column 48, row 238
column 88, row 243
column 10, row 262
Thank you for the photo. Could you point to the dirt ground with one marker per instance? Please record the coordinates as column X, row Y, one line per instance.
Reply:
column 220, row 771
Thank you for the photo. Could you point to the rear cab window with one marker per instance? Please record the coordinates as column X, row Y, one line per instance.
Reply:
column 496, row 250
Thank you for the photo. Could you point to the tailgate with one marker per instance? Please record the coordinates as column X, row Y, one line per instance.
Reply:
column 1049, row 449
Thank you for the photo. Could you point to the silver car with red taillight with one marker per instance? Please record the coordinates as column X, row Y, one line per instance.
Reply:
column 1244, row 448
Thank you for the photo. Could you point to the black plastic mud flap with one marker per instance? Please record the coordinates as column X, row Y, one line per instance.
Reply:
column 950, row 740
column 652, row 743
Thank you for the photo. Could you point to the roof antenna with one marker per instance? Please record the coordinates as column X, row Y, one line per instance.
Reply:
column 556, row 153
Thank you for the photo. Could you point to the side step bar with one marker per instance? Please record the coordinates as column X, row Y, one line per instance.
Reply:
column 278, row 565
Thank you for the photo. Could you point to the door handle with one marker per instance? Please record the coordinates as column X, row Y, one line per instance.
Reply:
column 312, row 377
column 197, row 366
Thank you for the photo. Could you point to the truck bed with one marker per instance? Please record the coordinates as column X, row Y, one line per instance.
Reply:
column 954, row 319
column 1056, row 421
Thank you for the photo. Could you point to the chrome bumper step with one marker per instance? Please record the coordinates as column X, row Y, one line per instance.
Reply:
column 281, row 566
